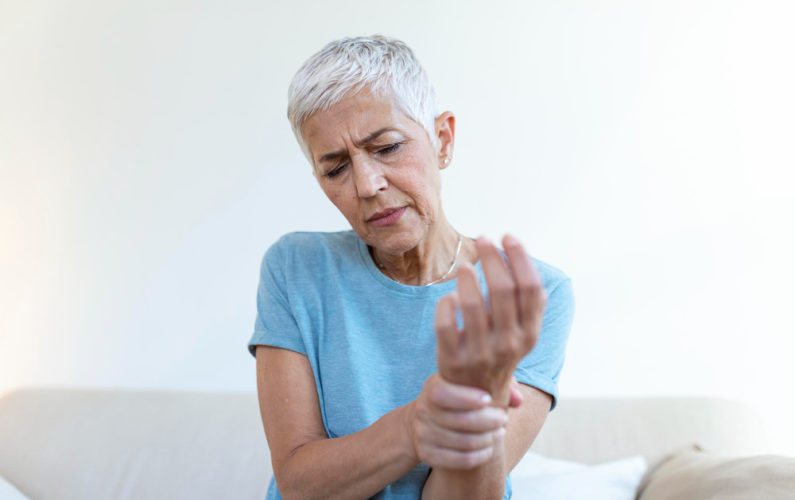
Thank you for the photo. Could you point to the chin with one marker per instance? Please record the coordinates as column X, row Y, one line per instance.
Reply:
column 393, row 241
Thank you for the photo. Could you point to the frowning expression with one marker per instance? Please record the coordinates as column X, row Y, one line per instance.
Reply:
column 379, row 168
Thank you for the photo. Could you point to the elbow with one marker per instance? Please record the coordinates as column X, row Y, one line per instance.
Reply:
column 295, row 478
column 288, row 489
column 288, row 486
column 293, row 485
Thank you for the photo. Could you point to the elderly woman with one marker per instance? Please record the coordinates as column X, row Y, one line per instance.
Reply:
column 388, row 355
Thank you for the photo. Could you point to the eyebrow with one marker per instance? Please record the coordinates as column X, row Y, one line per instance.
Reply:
column 337, row 154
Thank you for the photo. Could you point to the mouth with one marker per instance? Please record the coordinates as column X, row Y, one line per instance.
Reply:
column 386, row 217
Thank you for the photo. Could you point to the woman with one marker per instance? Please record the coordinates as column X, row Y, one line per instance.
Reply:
column 386, row 355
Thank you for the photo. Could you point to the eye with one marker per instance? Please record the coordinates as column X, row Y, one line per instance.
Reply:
column 389, row 149
column 336, row 171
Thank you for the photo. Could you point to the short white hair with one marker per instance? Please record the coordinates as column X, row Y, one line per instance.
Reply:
column 343, row 67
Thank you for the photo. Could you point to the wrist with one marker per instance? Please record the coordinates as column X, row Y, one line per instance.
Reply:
column 408, row 432
column 500, row 388
column 501, row 395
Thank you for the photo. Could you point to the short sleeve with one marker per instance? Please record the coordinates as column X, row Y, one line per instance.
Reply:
column 542, row 366
column 275, row 324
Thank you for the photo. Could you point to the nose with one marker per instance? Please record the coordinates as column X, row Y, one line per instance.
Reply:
column 368, row 177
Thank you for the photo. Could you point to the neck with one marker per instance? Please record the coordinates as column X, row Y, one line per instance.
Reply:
column 428, row 261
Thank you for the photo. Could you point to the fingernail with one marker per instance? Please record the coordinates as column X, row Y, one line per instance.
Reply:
column 485, row 398
column 510, row 241
column 501, row 432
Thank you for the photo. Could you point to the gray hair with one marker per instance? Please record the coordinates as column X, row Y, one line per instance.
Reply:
column 345, row 66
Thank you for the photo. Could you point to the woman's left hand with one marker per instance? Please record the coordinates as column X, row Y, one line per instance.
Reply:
column 485, row 353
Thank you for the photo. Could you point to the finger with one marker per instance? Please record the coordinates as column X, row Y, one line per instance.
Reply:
column 473, row 310
column 443, row 458
column 530, row 290
column 464, row 441
column 448, row 338
column 456, row 397
column 516, row 397
column 485, row 419
column 502, row 289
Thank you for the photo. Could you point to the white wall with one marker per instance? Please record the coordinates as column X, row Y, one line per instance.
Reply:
column 643, row 147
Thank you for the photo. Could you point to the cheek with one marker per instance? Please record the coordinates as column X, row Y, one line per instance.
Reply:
column 423, row 176
column 344, row 199
column 426, row 195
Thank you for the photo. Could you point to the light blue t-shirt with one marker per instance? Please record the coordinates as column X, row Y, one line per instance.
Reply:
column 370, row 340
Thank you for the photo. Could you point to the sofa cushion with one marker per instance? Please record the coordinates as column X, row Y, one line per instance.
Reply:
column 76, row 444
column 693, row 474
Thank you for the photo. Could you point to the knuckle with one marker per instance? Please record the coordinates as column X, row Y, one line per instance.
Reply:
column 468, row 419
column 470, row 442
column 470, row 303
column 496, row 418
column 437, row 393
column 444, row 323
column 509, row 344
column 443, row 326
column 532, row 287
column 530, row 341
column 503, row 289
column 527, row 288
column 474, row 459
column 504, row 354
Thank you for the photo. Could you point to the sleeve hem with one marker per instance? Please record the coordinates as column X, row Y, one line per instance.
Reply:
column 282, row 343
column 539, row 381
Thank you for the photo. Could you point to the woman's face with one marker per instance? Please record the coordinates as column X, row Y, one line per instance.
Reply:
column 379, row 168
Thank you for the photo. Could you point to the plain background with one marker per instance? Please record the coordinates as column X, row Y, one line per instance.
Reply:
column 644, row 147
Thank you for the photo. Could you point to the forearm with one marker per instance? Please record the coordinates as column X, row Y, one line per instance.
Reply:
column 354, row 466
column 484, row 482
column 524, row 423
column 481, row 483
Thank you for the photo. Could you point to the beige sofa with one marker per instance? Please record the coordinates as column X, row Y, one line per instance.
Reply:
column 136, row 444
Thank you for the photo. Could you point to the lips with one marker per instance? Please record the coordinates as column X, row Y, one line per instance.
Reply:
column 383, row 213
column 387, row 216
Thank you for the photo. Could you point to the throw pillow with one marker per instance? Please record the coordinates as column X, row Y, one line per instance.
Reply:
column 693, row 474
column 540, row 478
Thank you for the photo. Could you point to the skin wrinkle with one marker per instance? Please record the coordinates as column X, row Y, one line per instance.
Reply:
column 420, row 246
column 415, row 250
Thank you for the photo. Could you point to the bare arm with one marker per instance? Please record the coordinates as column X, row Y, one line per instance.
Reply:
column 488, row 480
column 307, row 464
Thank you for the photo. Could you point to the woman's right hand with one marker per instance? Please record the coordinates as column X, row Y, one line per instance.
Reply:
column 453, row 426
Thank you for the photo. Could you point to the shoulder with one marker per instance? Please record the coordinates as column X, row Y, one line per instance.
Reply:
column 557, row 285
column 551, row 276
column 299, row 243
column 302, row 249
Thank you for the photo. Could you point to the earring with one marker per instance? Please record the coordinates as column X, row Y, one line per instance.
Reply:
column 446, row 162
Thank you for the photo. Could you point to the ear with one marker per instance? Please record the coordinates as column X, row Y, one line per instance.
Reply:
column 444, row 126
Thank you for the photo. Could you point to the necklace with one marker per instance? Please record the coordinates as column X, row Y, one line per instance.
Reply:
column 452, row 266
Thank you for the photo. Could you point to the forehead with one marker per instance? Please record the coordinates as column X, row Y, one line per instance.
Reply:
column 352, row 119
